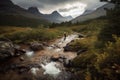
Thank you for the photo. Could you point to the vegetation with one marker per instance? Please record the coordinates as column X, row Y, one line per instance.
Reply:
column 16, row 20
column 101, row 61
column 112, row 28
column 25, row 35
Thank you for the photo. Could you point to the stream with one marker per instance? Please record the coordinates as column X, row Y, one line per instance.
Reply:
column 52, row 59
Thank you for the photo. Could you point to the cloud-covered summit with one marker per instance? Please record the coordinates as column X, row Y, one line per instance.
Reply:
column 65, row 7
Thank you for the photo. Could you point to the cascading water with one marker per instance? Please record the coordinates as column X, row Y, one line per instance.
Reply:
column 52, row 68
column 29, row 53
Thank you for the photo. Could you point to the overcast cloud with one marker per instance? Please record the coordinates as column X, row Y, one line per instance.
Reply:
column 64, row 7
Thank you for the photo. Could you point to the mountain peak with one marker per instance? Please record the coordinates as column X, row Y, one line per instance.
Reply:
column 56, row 13
column 33, row 10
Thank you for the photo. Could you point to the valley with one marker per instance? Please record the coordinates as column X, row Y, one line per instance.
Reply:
column 44, row 40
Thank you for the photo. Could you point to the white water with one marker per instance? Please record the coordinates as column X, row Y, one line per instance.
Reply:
column 29, row 53
column 56, row 48
column 34, row 70
column 62, row 43
column 51, row 69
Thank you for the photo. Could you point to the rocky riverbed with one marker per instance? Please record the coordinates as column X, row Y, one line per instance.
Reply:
column 39, row 61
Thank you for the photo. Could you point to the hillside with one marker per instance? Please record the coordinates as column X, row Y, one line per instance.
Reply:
column 14, row 15
column 94, row 14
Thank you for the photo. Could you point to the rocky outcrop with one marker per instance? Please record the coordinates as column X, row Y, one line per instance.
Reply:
column 35, row 46
column 8, row 50
column 18, row 67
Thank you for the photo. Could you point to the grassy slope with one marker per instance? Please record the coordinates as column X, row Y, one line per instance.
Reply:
column 27, row 34
column 17, row 20
column 96, row 63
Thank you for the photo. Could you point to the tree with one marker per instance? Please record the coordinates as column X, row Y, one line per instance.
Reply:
column 112, row 1
column 112, row 28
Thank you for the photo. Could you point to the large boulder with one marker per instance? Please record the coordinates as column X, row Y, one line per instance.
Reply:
column 35, row 46
column 8, row 49
column 81, row 51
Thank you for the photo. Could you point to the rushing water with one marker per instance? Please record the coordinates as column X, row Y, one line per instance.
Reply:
column 54, row 68
column 51, row 69
column 29, row 53
column 34, row 70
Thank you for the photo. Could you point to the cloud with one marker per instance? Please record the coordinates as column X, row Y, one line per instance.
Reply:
column 65, row 7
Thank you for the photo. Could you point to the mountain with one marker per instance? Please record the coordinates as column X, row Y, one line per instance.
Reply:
column 53, row 17
column 88, row 12
column 11, row 14
column 68, row 18
column 57, row 17
column 34, row 10
column 88, row 15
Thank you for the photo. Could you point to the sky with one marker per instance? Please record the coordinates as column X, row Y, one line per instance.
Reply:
column 72, row 8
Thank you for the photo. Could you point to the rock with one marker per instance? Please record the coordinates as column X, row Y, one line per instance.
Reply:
column 34, row 65
column 58, row 58
column 19, row 52
column 36, row 46
column 81, row 35
column 55, row 58
column 81, row 51
column 67, row 63
column 21, row 59
column 67, row 48
column 8, row 50
column 45, row 44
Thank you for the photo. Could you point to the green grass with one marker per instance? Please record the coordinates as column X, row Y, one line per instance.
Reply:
column 25, row 35
column 17, row 20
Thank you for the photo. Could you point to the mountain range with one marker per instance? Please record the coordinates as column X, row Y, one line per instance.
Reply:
column 53, row 17
column 11, row 14
column 88, row 14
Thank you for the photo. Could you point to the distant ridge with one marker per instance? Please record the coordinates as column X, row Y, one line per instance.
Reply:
column 53, row 17
column 94, row 14
column 11, row 14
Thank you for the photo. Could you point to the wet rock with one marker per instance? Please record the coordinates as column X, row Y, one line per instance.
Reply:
column 45, row 44
column 67, row 63
column 68, row 47
column 9, row 50
column 21, row 59
column 6, row 49
column 81, row 51
column 34, row 65
column 19, row 52
column 81, row 35
column 58, row 58
column 55, row 58
column 36, row 46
